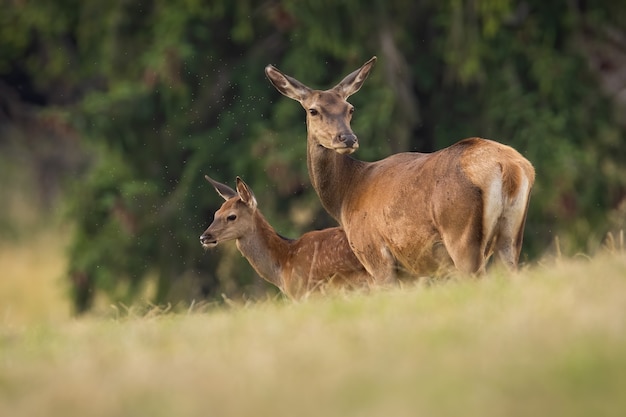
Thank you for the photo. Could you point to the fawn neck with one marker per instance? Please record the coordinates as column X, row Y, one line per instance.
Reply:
column 264, row 249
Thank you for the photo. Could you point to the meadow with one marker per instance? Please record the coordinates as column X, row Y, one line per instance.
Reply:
column 550, row 340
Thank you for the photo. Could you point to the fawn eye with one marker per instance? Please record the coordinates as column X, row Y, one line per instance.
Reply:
column 231, row 217
column 313, row 112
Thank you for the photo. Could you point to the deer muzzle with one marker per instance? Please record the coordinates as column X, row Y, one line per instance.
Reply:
column 345, row 143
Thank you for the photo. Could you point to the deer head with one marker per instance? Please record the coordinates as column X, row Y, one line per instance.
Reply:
column 328, row 112
column 235, row 218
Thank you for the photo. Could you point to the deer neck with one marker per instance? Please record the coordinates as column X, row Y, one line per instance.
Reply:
column 263, row 248
column 331, row 175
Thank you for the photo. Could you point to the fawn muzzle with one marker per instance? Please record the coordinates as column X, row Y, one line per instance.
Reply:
column 207, row 240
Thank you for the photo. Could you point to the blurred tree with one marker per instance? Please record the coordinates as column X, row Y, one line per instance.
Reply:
column 161, row 92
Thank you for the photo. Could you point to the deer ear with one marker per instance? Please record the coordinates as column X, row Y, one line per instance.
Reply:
column 222, row 189
column 287, row 85
column 245, row 193
column 353, row 81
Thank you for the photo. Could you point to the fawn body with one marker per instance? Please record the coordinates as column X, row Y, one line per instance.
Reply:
column 296, row 266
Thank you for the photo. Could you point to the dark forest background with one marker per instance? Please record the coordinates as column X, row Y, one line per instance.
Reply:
column 115, row 110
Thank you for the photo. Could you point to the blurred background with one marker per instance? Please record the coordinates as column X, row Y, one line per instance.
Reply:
column 111, row 113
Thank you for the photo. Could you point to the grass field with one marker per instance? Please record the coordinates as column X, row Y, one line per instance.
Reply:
column 550, row 341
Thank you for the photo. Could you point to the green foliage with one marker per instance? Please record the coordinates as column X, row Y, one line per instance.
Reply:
column 164, row 92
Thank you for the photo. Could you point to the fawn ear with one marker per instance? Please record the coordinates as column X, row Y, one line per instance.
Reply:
column 353, row 81
column 287, row 85
column 246, row 194
column 222, row 189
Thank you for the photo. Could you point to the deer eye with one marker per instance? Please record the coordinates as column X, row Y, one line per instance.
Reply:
column 313, row 112
column 231, row 217
column 351, row 110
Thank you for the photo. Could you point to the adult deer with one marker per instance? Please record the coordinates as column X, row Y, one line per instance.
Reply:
column 412, row 211
column 297, row 267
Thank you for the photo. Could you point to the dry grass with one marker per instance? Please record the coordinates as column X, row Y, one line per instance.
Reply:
column 32, row 290
column 549, row 341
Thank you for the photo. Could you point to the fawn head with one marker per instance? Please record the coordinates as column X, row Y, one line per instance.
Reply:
column 235, row 218
column 328, row 112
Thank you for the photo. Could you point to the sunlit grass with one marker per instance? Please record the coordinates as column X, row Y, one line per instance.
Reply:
column 32, row 289
column 548, row 341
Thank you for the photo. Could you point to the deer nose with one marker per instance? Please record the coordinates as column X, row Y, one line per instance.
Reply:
column 206, row 239
column 349, row 139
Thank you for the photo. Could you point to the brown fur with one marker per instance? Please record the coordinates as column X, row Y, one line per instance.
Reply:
column 316, row 260
column 422, row 212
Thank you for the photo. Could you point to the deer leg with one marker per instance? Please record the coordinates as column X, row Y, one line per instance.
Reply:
column 511, row 232
column 379, row 263
column 467, row 258
column 507, row 253
column 509, row 242
column 467, row 246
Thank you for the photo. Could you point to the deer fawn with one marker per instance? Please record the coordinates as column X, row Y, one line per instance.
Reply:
column 297, row 267
column 412, row 211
